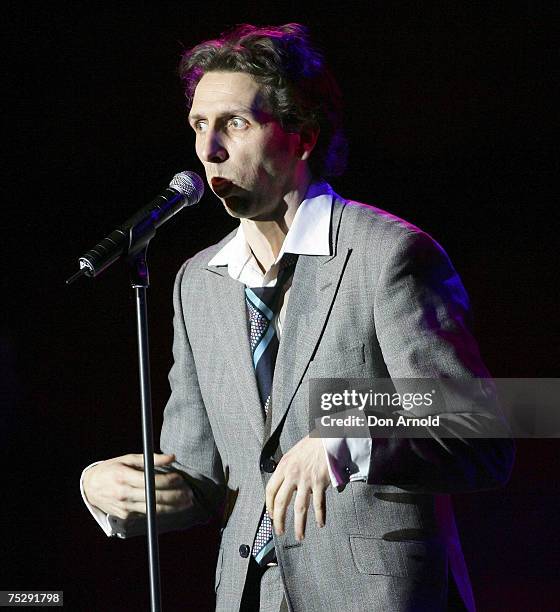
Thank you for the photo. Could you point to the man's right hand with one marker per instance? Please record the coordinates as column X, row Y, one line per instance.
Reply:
column 116, row 487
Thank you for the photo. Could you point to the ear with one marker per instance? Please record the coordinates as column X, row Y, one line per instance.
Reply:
column 307, row 140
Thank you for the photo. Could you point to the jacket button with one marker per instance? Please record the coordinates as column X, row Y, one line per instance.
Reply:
column 268, row 465
column 244, row 550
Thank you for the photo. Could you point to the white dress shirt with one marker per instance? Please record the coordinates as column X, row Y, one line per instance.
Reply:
column 308, row 235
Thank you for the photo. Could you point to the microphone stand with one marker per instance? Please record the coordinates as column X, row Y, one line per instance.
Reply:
column 139, row 278
column 133, row 238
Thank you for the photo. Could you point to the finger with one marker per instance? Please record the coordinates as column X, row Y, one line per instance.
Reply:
column 133, row 477
column 281, row 503
column 125, row 494
column 136, row 460
column 179, row 499
column 172, row 480
column 129, row 476
column 130, row 499
column 301, row 504
column 319, row 506
column 272, row 488
column 163, row 459
column 130, row 509
column 133, row 489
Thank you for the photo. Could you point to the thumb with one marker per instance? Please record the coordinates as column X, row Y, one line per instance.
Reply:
column 136, row 460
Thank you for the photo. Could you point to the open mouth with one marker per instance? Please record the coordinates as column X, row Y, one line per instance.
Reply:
column 221, row 186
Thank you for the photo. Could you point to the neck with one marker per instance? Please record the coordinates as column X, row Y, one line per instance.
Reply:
column 265, row 237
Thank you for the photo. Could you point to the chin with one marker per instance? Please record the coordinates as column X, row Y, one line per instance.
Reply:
column 237, row 207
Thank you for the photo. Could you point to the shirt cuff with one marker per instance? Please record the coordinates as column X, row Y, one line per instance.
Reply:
column 348, row 459
column 100, row 516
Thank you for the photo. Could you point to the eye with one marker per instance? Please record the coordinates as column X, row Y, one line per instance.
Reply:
column 199, row 126
column 238, row 123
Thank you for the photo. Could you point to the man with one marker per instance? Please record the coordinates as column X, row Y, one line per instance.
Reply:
column 351, row 292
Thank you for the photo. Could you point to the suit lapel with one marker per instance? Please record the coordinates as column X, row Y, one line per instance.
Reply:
column 315, row 285
column 229, row 313
column 314, row 288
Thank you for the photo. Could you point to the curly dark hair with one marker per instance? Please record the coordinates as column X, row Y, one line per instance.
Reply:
column 297, row 85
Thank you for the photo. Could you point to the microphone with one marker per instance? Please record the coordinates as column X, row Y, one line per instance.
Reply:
column 185, row 189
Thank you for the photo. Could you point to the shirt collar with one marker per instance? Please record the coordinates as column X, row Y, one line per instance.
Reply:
column 309, row 233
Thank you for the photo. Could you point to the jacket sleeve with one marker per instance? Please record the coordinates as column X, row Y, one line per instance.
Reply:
column 421, row 314
column 186, row 433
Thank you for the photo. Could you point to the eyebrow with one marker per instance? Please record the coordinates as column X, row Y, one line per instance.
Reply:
column 241, row 110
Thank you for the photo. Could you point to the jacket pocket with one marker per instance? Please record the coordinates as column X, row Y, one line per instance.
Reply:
column 334, row 361
column 406, row 559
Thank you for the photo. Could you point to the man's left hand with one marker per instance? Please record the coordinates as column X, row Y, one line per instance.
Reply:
column 302, row 469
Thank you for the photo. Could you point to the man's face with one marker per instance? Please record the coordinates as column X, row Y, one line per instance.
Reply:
column 250, row 161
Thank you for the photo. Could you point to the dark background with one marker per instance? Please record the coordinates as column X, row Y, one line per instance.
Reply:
column 449, row 119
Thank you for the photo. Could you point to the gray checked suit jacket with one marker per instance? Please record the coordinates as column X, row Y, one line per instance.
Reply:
column 386, row 303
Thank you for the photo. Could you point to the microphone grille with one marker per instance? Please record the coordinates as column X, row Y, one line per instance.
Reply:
column 188, row 184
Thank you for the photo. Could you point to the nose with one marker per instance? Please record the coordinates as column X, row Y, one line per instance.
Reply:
column 212, row 148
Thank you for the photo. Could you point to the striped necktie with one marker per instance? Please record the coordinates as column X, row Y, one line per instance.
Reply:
column 262, row 309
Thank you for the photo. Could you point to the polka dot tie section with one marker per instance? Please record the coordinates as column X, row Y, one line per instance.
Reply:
column 259, row 325
column 262, row 304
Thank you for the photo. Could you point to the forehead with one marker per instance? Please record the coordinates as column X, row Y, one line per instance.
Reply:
column 218, row 92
